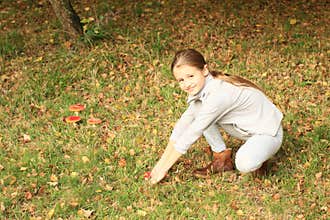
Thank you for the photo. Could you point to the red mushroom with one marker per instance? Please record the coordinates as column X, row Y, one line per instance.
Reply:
column 76, row 108
column 72, row 119
column 94, row 121
column 147, row 175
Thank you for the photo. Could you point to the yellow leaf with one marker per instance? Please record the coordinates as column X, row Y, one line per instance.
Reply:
column 267, row 182
column 318, row 175
column 85, row 213
column 74, row 174
column 13, row 180
column 141, row 212
column 239, row 212
column 85, row 159
column 107, row 161
column 132, row 152
column 108, row 187
column 74, row 204
column 293, row 21
column 50, row 214
column 2, row 207
column 38, row 59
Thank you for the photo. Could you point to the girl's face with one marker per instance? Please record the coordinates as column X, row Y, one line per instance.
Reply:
column 190, row 78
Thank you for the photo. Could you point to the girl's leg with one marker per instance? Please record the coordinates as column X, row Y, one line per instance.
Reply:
column 214, row 138
column 256, row 150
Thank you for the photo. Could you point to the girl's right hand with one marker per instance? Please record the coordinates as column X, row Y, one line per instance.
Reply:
column 156, row 176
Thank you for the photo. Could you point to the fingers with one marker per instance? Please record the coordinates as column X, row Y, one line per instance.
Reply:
column 157, row 177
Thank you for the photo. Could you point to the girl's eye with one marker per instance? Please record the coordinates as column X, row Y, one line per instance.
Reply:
column 191, row 76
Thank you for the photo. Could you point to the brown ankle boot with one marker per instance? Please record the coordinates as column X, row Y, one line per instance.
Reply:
column 262, row 171
column 221, row 162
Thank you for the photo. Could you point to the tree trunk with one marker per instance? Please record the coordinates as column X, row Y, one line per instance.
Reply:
column 68, row 18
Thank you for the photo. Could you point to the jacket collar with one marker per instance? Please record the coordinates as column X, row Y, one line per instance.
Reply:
column 201, row 93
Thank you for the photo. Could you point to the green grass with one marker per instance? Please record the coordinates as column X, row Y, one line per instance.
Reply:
column 120, row 71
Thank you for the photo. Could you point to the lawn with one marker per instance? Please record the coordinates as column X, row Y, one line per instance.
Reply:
column 120, row 71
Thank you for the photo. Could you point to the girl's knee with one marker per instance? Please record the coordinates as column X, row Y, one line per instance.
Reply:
column 246, row 163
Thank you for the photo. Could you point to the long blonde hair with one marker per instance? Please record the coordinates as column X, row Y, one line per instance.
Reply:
column 193, row 58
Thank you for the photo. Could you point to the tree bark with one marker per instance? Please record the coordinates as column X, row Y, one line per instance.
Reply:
column 68, row 18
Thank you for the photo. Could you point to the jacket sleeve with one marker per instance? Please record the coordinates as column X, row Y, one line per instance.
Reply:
column 183, row 123
column 214, row 106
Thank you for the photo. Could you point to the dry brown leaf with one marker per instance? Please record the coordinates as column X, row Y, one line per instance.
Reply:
column 28, row 195
column 53, row 178
column 276, row 196
column 122, row 162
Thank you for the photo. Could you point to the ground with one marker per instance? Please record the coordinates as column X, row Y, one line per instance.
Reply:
column 119, row 70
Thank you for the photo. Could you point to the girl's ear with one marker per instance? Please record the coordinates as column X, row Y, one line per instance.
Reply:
column 205, row 70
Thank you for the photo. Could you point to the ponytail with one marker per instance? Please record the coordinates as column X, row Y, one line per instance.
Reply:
column 235, row 80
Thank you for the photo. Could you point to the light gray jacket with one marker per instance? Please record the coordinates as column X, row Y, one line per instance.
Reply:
column 223, row 103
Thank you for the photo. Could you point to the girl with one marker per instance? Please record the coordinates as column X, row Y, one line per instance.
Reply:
column 219, row 100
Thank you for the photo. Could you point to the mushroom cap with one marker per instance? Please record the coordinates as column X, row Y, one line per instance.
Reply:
column 76, row 108
column 72, row 119
column 94, row 121
column 147, row 175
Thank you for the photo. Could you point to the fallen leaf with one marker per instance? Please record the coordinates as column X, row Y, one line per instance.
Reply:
column 85, row 159
column 67, row 44
column 28, row 195
column 73, row 204
column 39, row 59
column 141, row 213
column 132, row 152
column 23, row 168
column 85, row 213
column 276, row 196
column 107, row 161
column 318, row 175
column 301, row 216
column 324, row 208
column 74, row 174
column 26, row 138
column 50, row 214
column 122, row 162
column 267, row 182
column 239, row 212
column 13, row 180
column 53, row 178
column 108, row 187
column 293, row 21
